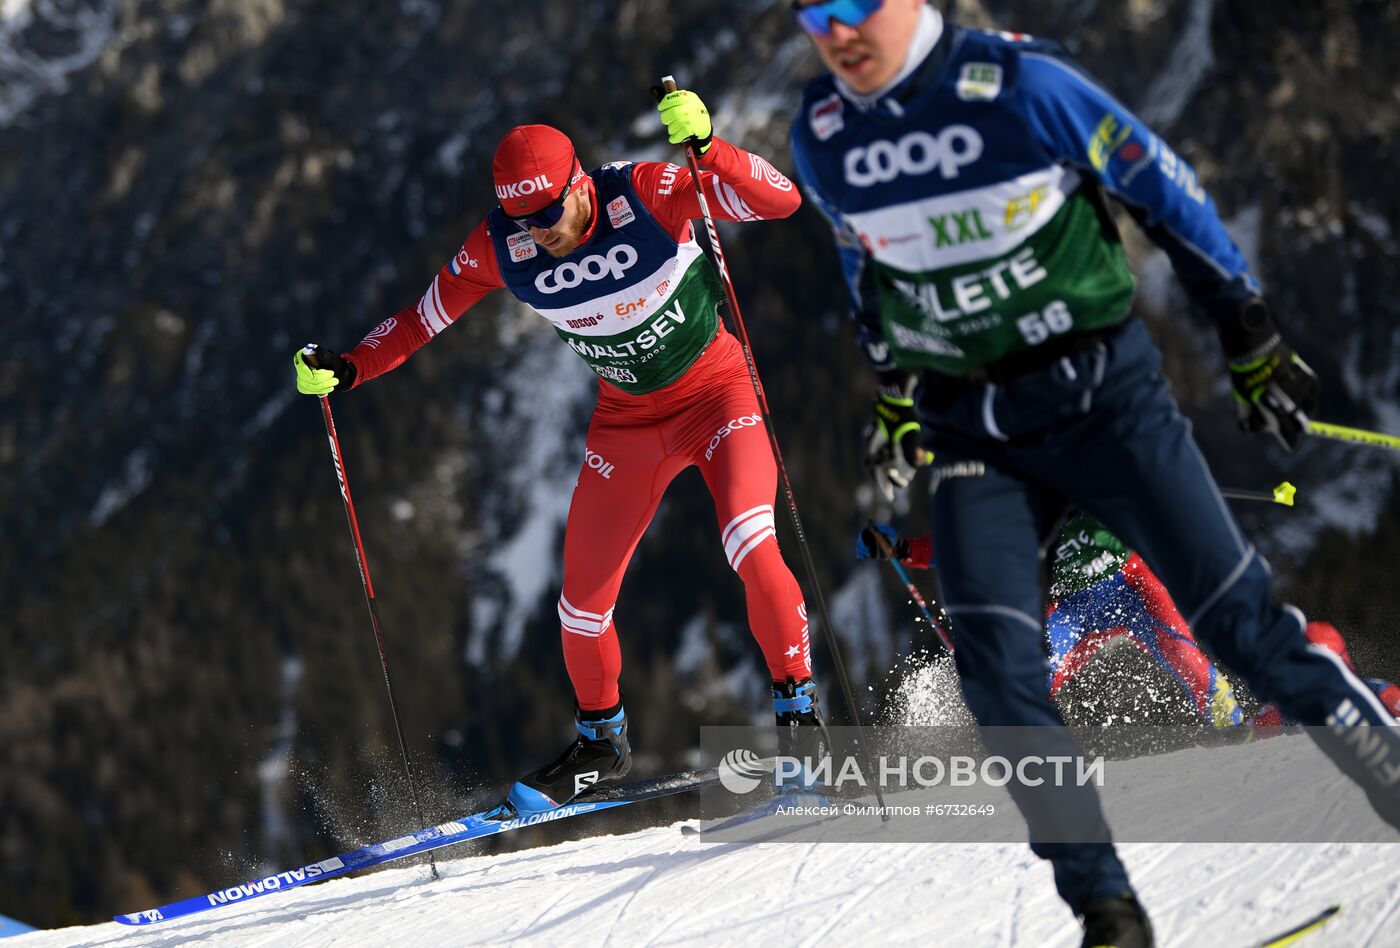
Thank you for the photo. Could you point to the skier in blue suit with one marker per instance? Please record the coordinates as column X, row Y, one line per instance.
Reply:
column 966, row 175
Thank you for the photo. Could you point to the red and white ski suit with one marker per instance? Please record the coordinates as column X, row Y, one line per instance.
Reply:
column 708, row 417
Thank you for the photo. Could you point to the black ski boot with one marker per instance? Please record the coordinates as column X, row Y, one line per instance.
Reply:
column 1116, row 923
column 599, row 753
column 801, row 731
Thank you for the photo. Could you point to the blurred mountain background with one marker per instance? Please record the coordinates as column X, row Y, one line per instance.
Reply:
column 190, row 189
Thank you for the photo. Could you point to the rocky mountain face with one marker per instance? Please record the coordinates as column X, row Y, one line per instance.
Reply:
column 189, row 190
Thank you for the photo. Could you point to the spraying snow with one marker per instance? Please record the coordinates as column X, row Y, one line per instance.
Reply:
column 656, row 886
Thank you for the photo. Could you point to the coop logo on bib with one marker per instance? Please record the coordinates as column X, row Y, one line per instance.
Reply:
column 591, row 268
column 917, row 153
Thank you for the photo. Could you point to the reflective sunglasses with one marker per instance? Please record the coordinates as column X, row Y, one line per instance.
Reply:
column 817, row 17
column 549, row 215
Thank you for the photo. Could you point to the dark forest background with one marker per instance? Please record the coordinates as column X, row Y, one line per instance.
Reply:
column 189, row 688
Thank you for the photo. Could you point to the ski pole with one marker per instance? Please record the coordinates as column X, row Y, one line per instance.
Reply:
column 1375, row 439
column 1282, row 494
column 373, row 610
column 893, row 559
column 668, row 84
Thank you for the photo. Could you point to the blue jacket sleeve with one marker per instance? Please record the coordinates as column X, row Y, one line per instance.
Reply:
column 860, row 282
column 1082, row 125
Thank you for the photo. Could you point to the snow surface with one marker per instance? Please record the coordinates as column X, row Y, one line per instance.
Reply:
column 658, row 887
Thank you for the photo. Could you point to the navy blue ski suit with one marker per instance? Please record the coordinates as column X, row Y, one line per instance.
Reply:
column 970, row 215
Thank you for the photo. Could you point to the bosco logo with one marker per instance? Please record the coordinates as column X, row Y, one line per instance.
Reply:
column 593, row 267
column 915, row 154
column 731, row 426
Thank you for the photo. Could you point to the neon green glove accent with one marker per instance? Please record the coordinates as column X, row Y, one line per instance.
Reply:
column 320, row 371
column 1275, row 390
column 686, row 117
column 894, row 440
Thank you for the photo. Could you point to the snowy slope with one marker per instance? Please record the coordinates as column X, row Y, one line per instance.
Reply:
column 657, row 886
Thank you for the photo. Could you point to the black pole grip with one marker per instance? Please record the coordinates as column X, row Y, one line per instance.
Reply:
column 668, row 84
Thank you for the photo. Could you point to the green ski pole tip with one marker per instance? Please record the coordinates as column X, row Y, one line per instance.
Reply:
column 1283, row 494
column 1296, row 934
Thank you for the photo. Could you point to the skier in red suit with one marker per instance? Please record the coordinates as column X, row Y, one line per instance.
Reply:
column 1325, row 635
column 610, row 259
column 1101, row 590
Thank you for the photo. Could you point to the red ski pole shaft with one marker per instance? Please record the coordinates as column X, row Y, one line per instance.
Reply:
column 917, row 596
column 368, row 584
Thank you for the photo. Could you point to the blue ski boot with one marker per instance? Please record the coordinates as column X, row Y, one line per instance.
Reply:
column 801, row 733
column 599, row 753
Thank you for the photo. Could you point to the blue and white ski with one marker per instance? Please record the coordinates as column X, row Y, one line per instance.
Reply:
column 723, row 830
column 464, row 829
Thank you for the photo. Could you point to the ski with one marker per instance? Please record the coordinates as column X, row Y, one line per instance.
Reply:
column 758, row 812
column 1300, row 931
column 767, row 808
column 464, row 829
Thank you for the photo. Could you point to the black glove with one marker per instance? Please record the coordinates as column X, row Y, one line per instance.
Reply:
column 1275, row 390
column 894, row 440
